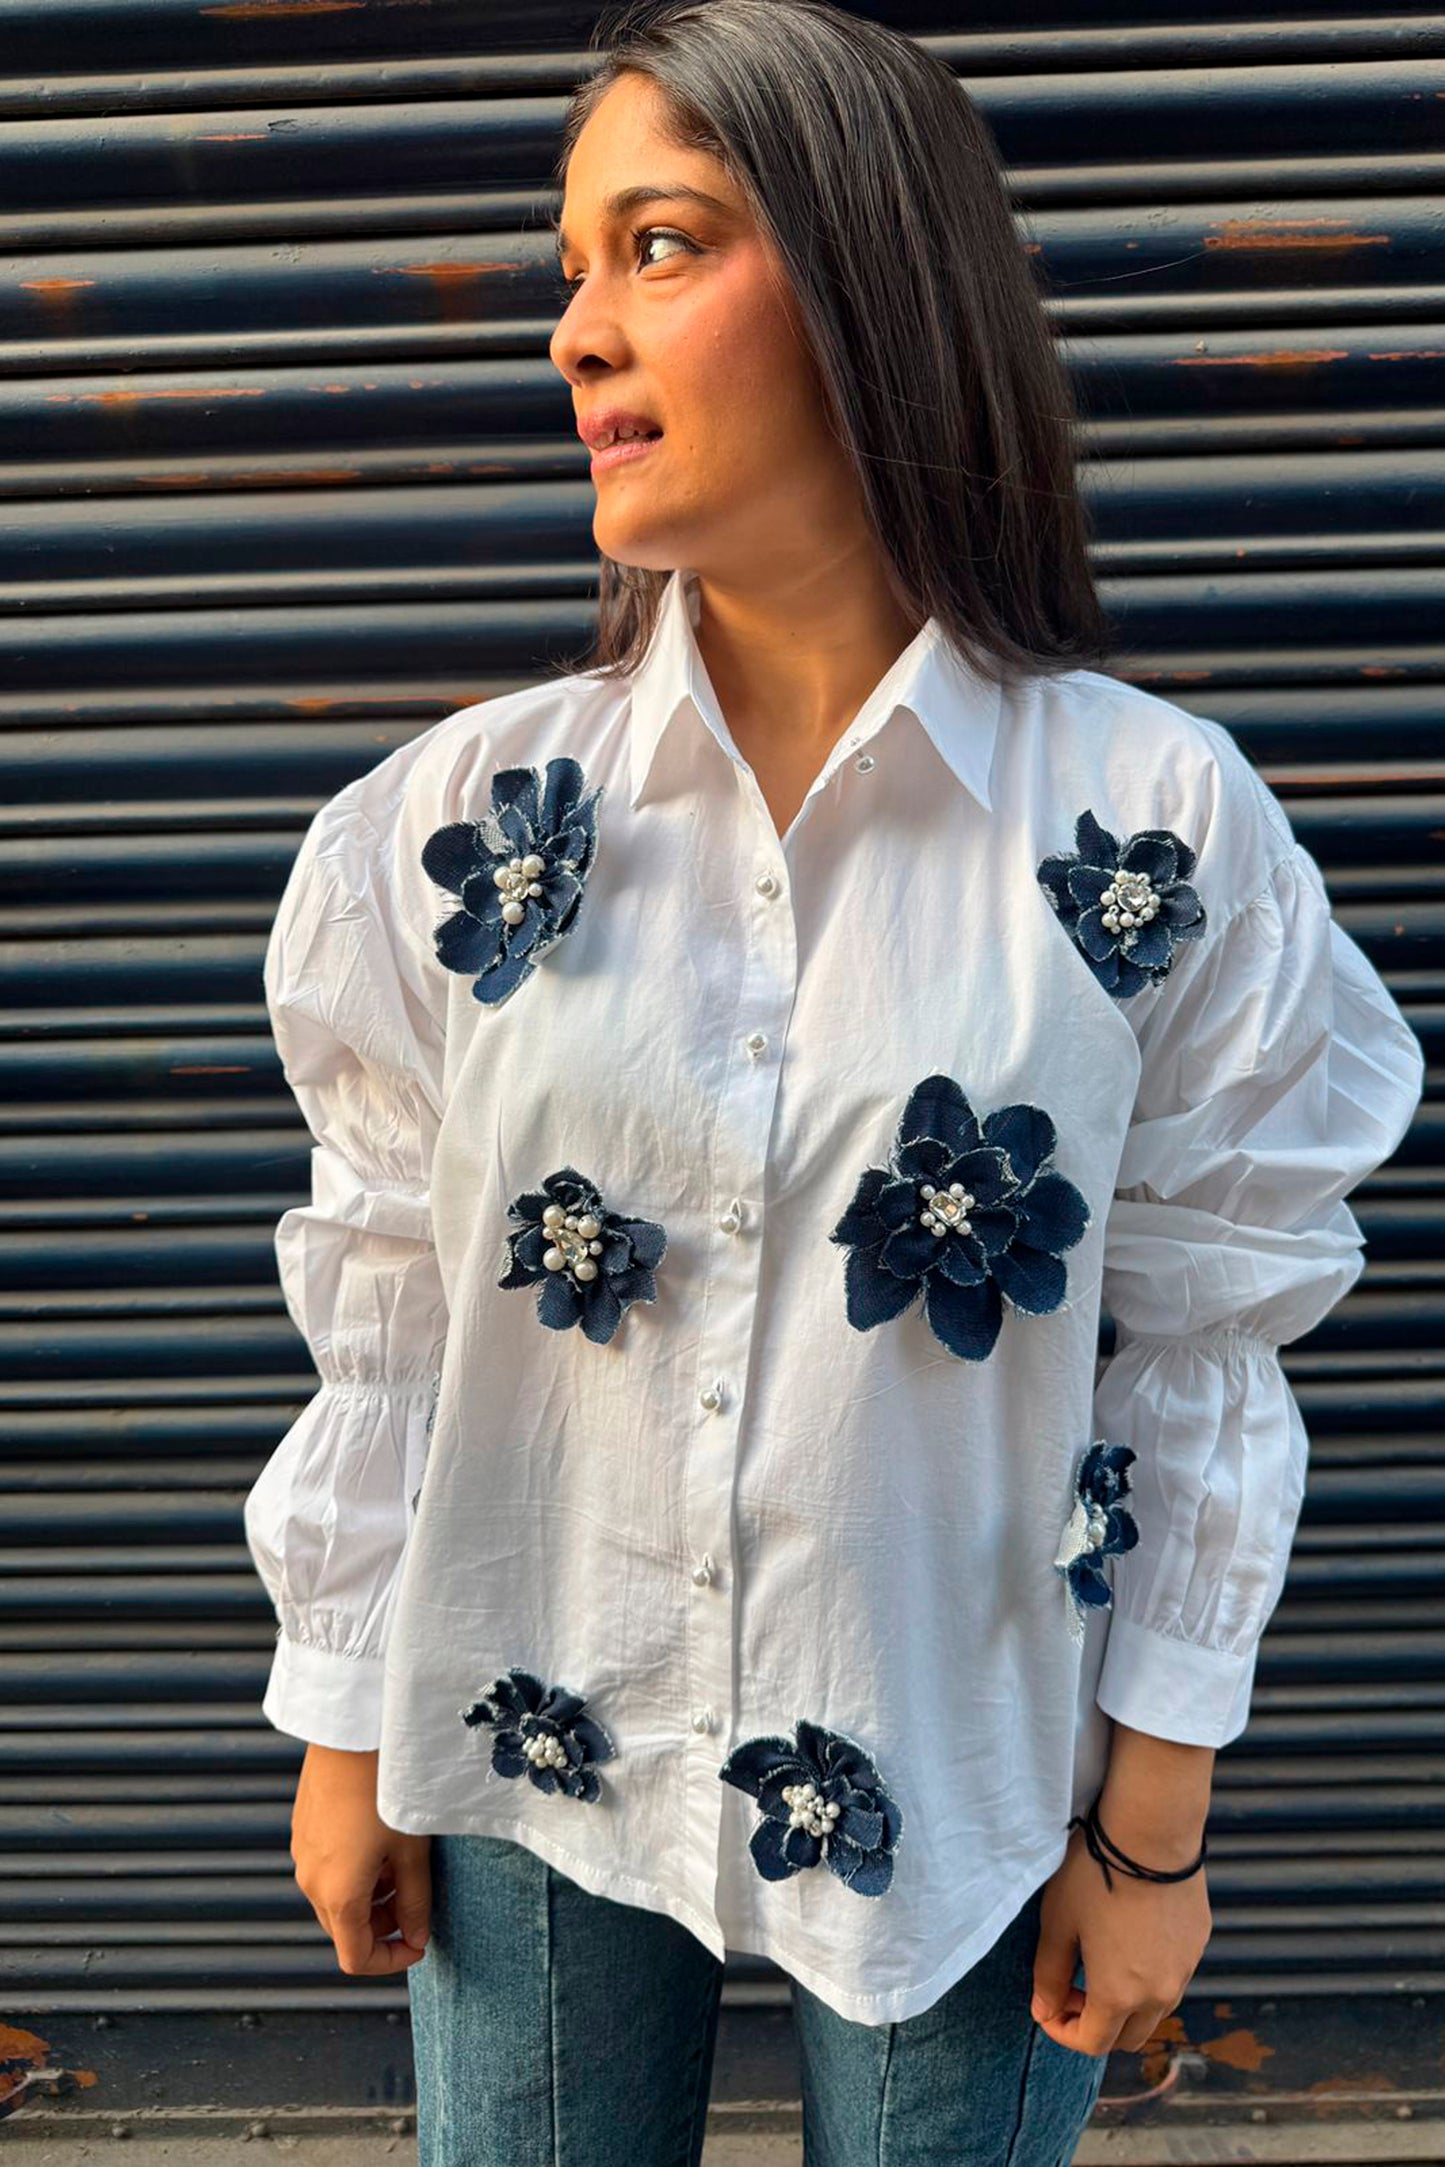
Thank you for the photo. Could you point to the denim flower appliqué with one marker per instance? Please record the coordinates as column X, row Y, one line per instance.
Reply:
column 540, row 1731
column 821, row 1798
column 1099, row 1526
column 589, row 1262
column 967, row 1213
column 1124, row 908
column 517, row 874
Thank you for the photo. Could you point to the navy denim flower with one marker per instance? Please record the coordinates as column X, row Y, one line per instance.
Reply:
column 589, row 1262
column 821, row 1798
column 1124, row 908
column 518, row 875
column 540, row 1731
column 1099, row 1527
column 967, row 1213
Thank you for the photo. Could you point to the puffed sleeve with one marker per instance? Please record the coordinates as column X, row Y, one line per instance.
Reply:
column 1276, row 1074
column 360, row 1030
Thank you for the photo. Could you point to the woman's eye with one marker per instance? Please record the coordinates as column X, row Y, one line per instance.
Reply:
column 640, row 241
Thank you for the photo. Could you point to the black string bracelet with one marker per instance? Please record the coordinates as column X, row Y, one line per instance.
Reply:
column 1098, row 1841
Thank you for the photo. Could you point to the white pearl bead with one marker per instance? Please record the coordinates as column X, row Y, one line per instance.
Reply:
column 514, row 913
column 532, row 865
column 553, row 1259
column 553, row 1215
column 594, row 1249
column 587, row 1226
column 501, row 878
column 584, row 1268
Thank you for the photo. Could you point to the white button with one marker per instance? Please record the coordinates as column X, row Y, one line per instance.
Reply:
column 765, row 884
column 702, row 1719
column 712, row 1396
column 756, row 1041
column 732, row 1218
column 702, row 1572
column 864, row 762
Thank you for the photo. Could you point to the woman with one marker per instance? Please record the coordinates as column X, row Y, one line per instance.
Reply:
column 741, row 1070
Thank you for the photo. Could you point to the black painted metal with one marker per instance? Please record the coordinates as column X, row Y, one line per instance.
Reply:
column 289, row 476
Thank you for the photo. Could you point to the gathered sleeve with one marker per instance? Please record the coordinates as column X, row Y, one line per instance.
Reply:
column 360, row 1030
column 1275, row 1076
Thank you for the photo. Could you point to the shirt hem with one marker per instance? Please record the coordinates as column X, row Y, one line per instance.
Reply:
column 598, row 1881
column 893, row 2005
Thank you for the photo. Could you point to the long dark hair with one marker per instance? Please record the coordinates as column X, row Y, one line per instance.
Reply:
column 878, row 181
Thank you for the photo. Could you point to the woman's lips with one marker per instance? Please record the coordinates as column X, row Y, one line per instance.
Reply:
column 619, row 454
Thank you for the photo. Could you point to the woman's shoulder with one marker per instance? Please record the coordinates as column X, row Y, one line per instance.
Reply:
column 438, row 774
column 1137, row 760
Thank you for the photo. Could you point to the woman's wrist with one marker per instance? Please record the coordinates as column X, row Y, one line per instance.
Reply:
column 1155, row 1798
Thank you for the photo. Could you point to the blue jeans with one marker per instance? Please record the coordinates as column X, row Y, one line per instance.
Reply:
column 554, row 2028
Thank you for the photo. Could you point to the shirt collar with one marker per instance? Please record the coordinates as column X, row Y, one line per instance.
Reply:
column 957, row 707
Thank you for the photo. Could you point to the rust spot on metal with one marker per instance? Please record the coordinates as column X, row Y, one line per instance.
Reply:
column 1246, row 233
column 54, row 289
column 139, row 1218
column 1383, row 669
column 315, row 706
column 1237, row 2050
column 1421, row 353
column 1297, row 357
column 258, row 136
column 211, row 1068
column 127, row 395
column 267, row 477
column 444, row 274
column 250, row 10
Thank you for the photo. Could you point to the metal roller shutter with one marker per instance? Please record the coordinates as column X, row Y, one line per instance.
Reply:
column 289, row 476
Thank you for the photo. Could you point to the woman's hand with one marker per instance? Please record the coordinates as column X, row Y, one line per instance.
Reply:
column 362, row 1879
column 1141, row 1942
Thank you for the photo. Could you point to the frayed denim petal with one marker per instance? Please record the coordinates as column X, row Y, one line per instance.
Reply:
column 1054, row 1213
column 448, row 855
column 896, row 1204
column 873, row 1296
column 553, row 1721
column 463, row 943
column 922, row 1158
column 1153, row 851
column 962, row 1261
column 910, row 1252
column 757, row 1758
column 937, row 1107
column 559, row 1305
column 966, row 1319
column 1032, row 1279
column 768, row 1844
column 1026, row 1134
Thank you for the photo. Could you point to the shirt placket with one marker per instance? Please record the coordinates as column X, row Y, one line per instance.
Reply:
column 747, row 1101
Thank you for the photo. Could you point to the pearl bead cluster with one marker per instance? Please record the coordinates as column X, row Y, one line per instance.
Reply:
column 810, row 1810
column 1127, row 903
column 1097, row 1527
column 545, row 1750
column 518, row 879
column 575, row 1241
column 948, row 1209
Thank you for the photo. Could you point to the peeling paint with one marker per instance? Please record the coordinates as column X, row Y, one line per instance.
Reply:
column 1247, row 233
column 1237, row 2050
column 1299, row 357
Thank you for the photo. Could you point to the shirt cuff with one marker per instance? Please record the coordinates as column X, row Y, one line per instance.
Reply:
column 324, row 1698
column 1174, row 1688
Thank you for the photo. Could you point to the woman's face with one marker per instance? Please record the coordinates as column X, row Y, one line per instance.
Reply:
column 680, row 312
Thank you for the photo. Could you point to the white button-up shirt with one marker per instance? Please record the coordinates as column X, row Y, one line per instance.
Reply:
column 705, row 1269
